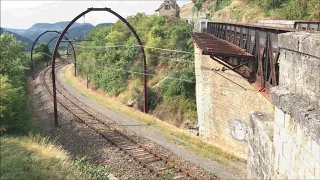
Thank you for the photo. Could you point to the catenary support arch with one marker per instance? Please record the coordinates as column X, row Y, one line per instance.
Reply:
column 59, row 41
column 31, row 54
column 73, row 49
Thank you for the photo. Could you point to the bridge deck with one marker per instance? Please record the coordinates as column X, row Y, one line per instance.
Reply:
column 211, row 45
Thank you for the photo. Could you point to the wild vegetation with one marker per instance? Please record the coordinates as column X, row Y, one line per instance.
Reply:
column 113, row 62
column 249, row 11
column 22, row 156
column 15, row 118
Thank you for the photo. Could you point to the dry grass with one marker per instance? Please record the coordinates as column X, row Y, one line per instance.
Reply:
column 191, row 142
column 33, row 157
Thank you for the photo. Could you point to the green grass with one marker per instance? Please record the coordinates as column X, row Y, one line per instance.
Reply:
column 34, row 157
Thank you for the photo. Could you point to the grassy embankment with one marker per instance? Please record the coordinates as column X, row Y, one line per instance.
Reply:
column 250, row 11
column 35, row 158
column 185, row 139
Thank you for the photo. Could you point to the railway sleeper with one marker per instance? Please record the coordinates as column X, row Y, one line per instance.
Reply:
column 146, row 157
column 141, row 154
column 179, row 176
column 136, row 150
column 150, row 161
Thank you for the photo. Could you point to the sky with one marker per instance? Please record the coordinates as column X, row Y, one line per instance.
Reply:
column 23, row 14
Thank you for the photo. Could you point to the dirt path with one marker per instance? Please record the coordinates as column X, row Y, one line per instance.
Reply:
column 231, row 171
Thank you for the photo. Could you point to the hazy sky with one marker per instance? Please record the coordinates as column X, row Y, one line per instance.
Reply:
column 23, row 14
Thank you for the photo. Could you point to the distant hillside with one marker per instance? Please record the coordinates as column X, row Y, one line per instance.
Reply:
column 19, row 38
column 76, row 31
column 250, row 11
column 79, row 31
column 103, row 24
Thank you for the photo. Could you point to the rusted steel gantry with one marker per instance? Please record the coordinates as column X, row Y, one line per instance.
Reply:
column 254, row 48
column 55, row 109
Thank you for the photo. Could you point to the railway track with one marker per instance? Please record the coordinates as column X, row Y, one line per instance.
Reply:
column 149, row 159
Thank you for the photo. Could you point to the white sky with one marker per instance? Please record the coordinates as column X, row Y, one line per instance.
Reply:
column 23, row 14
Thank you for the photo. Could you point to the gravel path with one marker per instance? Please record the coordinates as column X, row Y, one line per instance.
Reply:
column 158, row 140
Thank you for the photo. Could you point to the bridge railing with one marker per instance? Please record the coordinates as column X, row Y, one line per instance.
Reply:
column 307, row 25
column 260, row 41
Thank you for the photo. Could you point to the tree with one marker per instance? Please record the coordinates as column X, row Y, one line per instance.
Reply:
column 14, row 63
column 13, row 108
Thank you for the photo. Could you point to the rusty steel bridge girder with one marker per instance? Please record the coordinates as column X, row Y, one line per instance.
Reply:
column 58, row 43
column 259, row 41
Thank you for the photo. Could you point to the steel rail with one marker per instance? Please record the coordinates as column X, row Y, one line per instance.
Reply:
column 74, row 52
column 32, row 64
column 125, row 144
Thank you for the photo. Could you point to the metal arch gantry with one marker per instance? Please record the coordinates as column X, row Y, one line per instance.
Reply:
column 32, row 64
column 74, row 52
column 57, row 46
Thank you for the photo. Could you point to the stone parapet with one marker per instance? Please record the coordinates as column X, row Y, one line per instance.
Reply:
column 307, row 115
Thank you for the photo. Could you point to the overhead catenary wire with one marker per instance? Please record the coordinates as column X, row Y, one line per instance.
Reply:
column 168, row 50
column 148, row 74
column 136, row 46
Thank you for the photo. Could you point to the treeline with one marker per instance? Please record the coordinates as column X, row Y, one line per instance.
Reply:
column 14, row 70
column 113, row 62
column 15, row 118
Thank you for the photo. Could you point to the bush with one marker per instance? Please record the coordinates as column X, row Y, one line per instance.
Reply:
column 220, row 4
column 15, row 118
column 94, row 172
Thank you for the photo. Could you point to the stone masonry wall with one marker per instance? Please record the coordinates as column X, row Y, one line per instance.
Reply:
column 296, row 154
column 260, row 146
column 296, row 135
column 223, row 106
column 297, row 101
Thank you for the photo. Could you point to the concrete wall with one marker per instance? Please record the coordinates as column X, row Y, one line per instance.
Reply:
column 296, row 135
column 223, row 106
column 200, row 25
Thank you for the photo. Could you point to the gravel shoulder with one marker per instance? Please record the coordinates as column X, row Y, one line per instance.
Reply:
column 158, row 139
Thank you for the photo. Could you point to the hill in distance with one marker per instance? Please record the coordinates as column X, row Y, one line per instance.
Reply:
column 76, row 31
column 19, row 38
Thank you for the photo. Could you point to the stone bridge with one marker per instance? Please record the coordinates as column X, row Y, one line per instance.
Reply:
column 258, row 95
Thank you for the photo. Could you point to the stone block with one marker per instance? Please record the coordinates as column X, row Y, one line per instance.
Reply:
column 307, row 159
column 315, row 150
column 288, row 41
column 301, row 171
column 309, row 44
column 309, row 175
column 287, row 124
column 317, row 170
column 304, row 42
column 276, row 93
column 283, row 166
column 279, row 116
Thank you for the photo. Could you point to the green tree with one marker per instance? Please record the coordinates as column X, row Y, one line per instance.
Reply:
column 14, row 117
column 13, row 111
column 14, row 63
column 314, row 10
